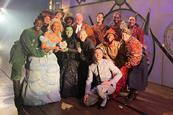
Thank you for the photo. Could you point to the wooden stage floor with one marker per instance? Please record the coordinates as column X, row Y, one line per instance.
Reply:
column 156, row 100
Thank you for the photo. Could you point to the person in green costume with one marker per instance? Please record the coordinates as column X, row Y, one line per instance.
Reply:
column 27, row 45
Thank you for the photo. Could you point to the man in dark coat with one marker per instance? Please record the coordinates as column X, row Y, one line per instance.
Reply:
column 86, row 52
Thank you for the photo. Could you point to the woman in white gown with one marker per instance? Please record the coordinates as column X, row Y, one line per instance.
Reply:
column 42, row 83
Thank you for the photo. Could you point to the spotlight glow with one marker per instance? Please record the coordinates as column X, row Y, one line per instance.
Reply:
column 2, row 17
column 3, row 13
column 2, row 9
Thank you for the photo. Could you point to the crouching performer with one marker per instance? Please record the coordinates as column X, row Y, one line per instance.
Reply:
column 103, row 76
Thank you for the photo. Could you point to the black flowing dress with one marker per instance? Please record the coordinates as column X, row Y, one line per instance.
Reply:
column 69, row 69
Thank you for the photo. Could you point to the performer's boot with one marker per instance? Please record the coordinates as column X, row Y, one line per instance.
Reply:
column 132, row 94
column 103, row 103
column 17, row 96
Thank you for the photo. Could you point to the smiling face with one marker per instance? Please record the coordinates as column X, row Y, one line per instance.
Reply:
column 110, row 38
column 56, row 27
column 98, row 54
column 100, row 18
column 79, row 18
column 117, row 17
column 59, row 15
column 131, row 21
column 82, row 35
column 125, row 36
column 69, row 21
column 38, row 24
column 47, row 19
column 69, row 31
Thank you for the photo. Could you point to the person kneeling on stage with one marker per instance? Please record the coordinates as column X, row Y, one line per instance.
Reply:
column 103, row 76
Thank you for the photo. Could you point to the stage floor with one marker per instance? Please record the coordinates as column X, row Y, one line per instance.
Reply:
column 7, row 106
column 156, row 100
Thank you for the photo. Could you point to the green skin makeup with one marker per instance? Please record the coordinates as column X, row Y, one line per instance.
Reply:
column 69, row 31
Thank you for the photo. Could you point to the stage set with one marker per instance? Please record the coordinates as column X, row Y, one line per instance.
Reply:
column 153, row 17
